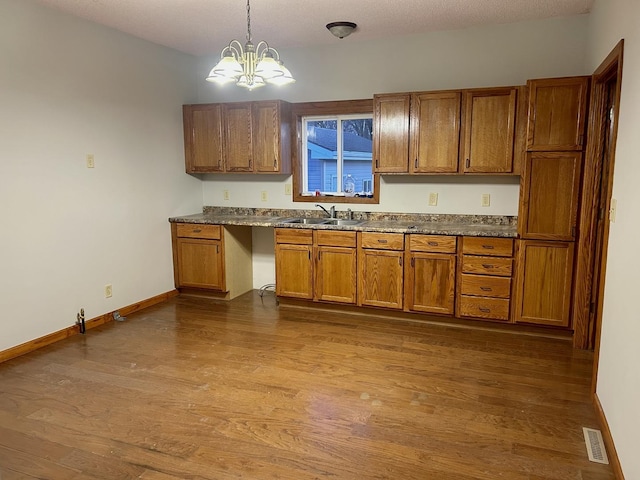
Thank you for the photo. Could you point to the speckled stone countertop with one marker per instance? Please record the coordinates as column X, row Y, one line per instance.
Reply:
column 469, row 225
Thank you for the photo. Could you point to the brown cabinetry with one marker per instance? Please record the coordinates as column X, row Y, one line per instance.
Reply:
column 242, row 137
column 485, row 278
column 212, row 258
column 391, row 133
column 445, row 132
column 549, row 196
column 430, row 273
column 336, row 266
column 557, row 114
column 203, row 138
column 380, row 269
column 435, row 132
column 488, row 133
column 544, row 279
column 294, row 263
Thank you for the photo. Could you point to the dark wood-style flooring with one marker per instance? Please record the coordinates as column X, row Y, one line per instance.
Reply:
column 197, row 388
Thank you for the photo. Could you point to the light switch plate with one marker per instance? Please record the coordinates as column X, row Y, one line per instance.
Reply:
column 226, row 195
column 287, row 189
column 433, row 199
column 485, row 200
column 263, row 195
column 91, row 161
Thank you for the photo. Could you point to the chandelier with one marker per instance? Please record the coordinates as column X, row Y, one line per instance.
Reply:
column 250, row 66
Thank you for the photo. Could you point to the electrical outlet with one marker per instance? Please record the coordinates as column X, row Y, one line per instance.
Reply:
column 612, row 210
column 91, row 161
column 433, row 199
column 485, row 200
column 226, row 195
column 287, row 189
column 263, row 195
column 108, row 291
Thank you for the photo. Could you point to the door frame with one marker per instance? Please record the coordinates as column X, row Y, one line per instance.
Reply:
column 610, row 68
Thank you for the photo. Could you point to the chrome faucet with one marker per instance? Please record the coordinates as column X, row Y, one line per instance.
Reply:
column 331, row 212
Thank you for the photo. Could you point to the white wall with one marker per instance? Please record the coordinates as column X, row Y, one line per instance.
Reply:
column 68, row 88
column 350, row 69
column 618, row 378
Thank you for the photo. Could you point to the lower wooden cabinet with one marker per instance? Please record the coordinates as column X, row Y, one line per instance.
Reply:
column 380, row 269
column 212, row 258
column 335, row 266
column 430, row 268
column 544, row 279
column 484, row 280
column 294, row 263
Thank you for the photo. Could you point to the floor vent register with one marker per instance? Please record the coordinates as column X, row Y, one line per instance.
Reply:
column 595, row 445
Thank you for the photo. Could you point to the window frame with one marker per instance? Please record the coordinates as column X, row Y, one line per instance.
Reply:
column 311, row 109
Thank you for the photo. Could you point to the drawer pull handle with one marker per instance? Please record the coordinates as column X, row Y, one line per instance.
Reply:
column 484, row 310
column 197, row 230
column 433, row 244
column 380, row 240
column 486, row 289
column 487, row 265
column 488, row 247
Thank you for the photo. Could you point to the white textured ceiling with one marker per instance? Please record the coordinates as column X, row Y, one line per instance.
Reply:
column 203, row 27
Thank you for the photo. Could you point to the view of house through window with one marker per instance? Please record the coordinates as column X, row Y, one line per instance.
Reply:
column 337, row 155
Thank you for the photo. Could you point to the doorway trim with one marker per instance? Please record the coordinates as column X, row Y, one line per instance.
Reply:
column 582, row 318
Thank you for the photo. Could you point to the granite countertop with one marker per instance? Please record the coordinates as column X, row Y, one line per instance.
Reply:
column 464, row 225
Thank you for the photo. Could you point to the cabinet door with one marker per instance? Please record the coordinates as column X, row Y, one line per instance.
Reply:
column 203, row 138
column 391, row 133
column 430, row 280
column 266, row 137
column 543, row 282
column 294, row 272
column 435, row 132
column 238, row 131
column 489, row 130
column 380, row 278
column 200, row 263
column 557, row 113
column 549, row 204
column 336, row 274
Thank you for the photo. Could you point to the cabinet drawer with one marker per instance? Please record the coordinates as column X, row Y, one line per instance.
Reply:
column 486, row 286
column 294, row 235
column 490, row 246
column 335, row 239
column 432, row 243
column 481, row 307
column 191, row 230
column 383, row 241
column 487, row 265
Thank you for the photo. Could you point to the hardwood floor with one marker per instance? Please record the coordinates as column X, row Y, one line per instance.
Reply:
column 199, row 389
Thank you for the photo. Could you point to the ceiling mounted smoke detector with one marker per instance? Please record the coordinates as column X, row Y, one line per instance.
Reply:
column 341, row 29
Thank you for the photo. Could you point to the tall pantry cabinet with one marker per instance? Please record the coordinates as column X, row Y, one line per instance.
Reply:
column 550, row 193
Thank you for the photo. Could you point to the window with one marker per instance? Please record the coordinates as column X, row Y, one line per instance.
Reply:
column 333, row 161
column 338, row 155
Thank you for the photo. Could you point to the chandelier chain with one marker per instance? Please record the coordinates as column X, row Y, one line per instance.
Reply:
column 248, row 22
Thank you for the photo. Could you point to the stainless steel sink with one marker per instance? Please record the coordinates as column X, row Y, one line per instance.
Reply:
column 341, row 221
column 321, row 221
column 307, row 221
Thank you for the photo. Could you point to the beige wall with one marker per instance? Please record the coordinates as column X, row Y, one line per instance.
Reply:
column 618, row 374
column 68, row 88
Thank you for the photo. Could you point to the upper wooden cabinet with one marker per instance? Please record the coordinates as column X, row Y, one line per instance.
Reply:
column 391, row 133
column 238, row 137
column 448, row 132
column 488, row 130
column 203, row 138
column 549, row 195
column 435, row 132
column 270, row 137
column 557, row 113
